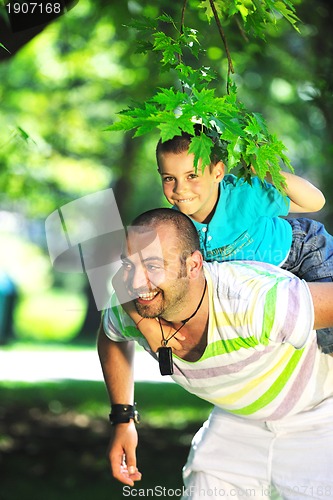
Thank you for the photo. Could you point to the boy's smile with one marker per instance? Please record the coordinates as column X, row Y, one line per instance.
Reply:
column 195, row 193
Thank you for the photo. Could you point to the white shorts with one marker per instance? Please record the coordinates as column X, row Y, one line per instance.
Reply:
column 292, row 458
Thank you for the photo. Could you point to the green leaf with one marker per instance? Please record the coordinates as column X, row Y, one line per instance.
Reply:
column 168, row 98
column 168, row 47
column 168, row 130
column 143, row 47
column 24, row 135
column 145, row 128
column 288, row 14
column 144, row 24
column 201, row 146
column 205, row 4
column 1, row 45
column 185, row 124
column 244, row 12
column 124, row 123
column 256, row 127
column 166, row 19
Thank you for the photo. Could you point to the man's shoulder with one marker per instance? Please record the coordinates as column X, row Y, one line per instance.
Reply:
column 117, row 324
column 238, row 268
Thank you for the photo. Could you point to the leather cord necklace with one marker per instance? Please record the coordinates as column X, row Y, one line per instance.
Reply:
column 165, row 353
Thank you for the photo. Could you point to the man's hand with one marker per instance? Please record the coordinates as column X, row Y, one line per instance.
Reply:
column 121, row 453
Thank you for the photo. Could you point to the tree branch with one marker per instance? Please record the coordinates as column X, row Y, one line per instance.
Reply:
column 224, row 40
column 182, row 20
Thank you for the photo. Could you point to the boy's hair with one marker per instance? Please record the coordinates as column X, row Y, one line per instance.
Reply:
column 180, row 143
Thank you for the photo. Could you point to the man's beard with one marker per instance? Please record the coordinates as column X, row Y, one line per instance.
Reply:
column 177, row 292
column 147, row 310
column 165, row 307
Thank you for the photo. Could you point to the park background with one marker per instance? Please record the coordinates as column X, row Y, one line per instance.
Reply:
column 61, row 85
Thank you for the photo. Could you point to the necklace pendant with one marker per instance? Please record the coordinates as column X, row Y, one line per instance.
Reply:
column 165, row 360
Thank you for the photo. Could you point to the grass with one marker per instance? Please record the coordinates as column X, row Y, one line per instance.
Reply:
column 53, row 439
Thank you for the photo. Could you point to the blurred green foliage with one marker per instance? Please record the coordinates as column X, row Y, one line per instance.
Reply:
column 63, row 88
column 56, row 315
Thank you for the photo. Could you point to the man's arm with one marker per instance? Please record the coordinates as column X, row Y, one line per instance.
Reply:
column 322, row 297
column 117, row 364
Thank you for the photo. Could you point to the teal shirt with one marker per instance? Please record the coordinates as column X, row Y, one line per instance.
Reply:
column 246, row 224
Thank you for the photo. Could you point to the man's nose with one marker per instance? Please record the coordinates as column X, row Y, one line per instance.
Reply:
column 139, row 279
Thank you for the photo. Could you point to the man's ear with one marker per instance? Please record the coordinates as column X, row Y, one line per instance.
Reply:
column 194, row 264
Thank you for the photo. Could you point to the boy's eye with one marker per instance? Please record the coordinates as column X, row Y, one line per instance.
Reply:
column 193, row 176
column 168, row 179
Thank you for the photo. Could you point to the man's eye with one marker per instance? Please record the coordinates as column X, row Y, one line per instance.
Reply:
column 126, row 265
column 151, row 267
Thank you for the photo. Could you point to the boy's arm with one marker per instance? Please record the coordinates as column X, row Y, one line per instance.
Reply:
column 117, row 364
column 304, row 196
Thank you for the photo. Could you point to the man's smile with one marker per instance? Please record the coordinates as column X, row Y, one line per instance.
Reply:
column 144, row 298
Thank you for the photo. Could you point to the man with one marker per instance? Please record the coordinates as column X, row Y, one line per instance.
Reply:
column 247, row 345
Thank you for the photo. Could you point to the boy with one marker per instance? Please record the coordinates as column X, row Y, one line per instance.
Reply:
column 239, row 221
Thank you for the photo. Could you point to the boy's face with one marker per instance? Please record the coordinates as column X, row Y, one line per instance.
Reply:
column 193, row 193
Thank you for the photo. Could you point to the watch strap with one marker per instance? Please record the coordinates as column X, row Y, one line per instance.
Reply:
column 121, row 414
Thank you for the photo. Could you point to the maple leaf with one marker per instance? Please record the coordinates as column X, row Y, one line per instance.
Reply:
column 167, row 46
column 201, row 146
column 124, row 123
column 205, row 4
column 169, row 129
column 166, row 18
column 256, row 127
column 143, row 24
column 288, row 14
column 169, row 98
column 145, row 128
column 228, row 128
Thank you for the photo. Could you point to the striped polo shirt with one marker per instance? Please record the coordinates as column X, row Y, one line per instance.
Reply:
column 261, row 360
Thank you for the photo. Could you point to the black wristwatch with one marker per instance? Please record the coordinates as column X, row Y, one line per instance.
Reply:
column 122, row 414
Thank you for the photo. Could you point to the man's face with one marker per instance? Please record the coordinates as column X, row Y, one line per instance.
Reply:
column 153, row 273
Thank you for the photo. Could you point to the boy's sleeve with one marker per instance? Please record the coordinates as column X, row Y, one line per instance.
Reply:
column 271, row 203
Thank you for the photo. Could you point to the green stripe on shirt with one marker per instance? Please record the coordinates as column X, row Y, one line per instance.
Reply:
column 275, row 388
